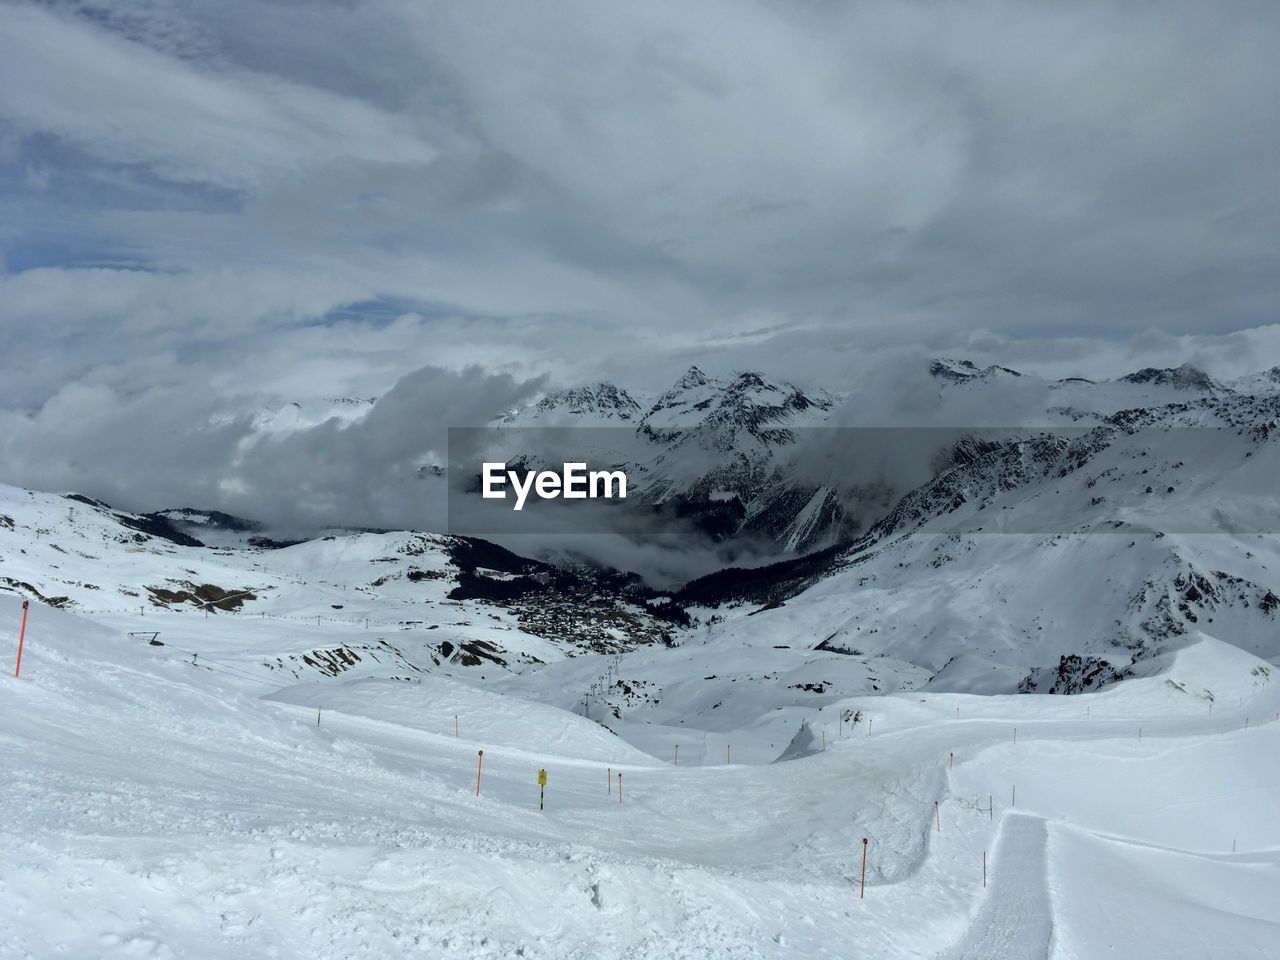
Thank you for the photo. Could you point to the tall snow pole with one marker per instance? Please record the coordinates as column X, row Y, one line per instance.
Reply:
column 22, row 636
column 479, row 769
column 862, row 885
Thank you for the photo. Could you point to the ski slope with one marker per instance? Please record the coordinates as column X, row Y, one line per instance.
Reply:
column 1016, row 919
column 159, row 807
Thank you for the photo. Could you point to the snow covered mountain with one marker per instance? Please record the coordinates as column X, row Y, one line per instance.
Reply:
column 405, row 596
column 596, row 404
column 233, row 747
column 1138, row 531
column 1185, row 377
column 1037, row 400
column 708, row 452
column 1136, row 534
column 220, row 749
column 966, row 371
column 1268, row 381
column 735, row 457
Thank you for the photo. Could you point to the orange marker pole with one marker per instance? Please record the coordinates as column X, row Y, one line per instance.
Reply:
column 862, row 886
column 479, row 768
column 22, row 636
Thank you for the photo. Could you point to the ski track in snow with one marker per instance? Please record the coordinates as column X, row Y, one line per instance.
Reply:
column 1015, row 921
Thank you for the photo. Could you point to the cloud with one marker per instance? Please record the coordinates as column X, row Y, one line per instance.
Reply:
column 253, row 203
column 127, row 102
column 186, row 445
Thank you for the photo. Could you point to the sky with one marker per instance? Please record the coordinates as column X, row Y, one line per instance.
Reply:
column 208, row 209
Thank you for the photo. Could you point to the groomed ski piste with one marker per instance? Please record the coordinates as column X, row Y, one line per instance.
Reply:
column 156, row 807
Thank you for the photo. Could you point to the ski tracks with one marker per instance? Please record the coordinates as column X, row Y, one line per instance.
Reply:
column 1015, row 921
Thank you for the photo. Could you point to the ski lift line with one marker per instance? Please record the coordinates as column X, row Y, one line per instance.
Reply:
column 250, row 677
column 239, row 673
column 242, row 674
column 156, row 611
column 222, row 667
column 246, row 676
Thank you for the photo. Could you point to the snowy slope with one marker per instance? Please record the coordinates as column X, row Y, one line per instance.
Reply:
column 364, row 604
column 163, row 809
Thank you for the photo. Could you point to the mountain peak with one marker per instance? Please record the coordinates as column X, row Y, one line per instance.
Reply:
column 748, row 401
column 751, row 380
column 1185, row 377
column 693, row 377
column 601, row 398
column 964, row 371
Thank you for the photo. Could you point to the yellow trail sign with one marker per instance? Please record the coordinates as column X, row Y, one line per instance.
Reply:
column 542, row 778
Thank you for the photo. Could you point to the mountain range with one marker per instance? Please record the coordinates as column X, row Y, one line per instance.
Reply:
column 1041, row 559
column 792, row 470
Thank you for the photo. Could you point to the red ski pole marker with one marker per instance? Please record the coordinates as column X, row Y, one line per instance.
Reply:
column 22, row 636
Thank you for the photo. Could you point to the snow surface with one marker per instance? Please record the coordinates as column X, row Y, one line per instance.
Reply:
column 156, row 807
